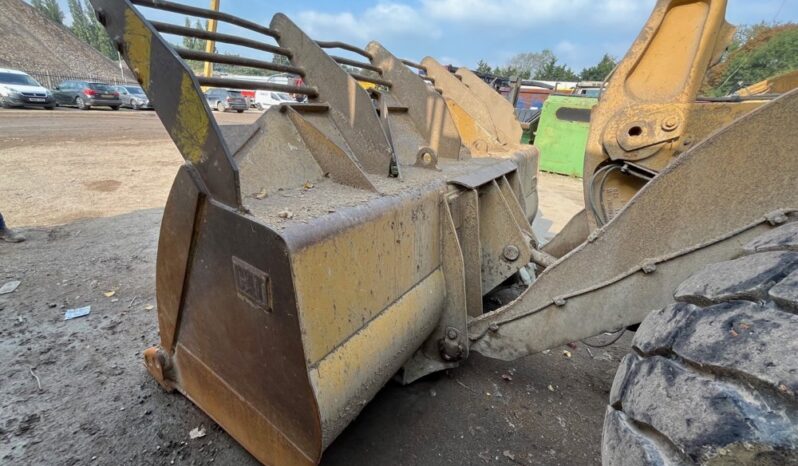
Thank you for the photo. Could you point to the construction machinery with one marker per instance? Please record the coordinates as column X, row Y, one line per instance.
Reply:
column 306, row 259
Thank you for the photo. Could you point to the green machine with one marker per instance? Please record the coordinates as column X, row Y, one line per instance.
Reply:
column 562, row 133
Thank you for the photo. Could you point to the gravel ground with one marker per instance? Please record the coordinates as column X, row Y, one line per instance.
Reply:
column 76, row 392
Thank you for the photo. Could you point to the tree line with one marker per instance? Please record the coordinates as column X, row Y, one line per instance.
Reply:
column 545, row 66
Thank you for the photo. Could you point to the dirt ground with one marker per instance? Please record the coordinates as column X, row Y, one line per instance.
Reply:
column 87, row 189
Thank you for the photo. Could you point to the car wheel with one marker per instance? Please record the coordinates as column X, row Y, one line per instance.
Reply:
column 240, row 111
column 49, row 107
column 81, row 104
column 220, row 106
column 135, row 105
column 114, row 107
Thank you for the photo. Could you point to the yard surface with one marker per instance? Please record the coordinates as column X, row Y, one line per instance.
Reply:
column 87, row 189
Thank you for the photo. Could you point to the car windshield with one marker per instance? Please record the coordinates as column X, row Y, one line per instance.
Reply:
column 282, row 96
column 233, row 93
column 21, row 79
column 135, row 90
column 101, row 87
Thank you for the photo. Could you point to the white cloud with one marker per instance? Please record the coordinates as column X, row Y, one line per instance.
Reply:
column 384, row 20
column 565, row 46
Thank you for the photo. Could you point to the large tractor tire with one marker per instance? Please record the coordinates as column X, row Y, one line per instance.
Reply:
column 713, row 378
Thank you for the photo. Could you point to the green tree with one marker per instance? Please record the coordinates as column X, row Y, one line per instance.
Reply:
column 80, row 25
column 600, row 71
column 528, row 64
column 758, row 52
column 484, row 67
column 50, row 9
column 86, row 28
column 510, row 71
column 551, row 71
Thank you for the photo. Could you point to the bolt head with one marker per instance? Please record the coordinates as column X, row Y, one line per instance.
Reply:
column 451, row 334
column 670, row 123
column 494, row 327
column 649, row 267
column 511, row 252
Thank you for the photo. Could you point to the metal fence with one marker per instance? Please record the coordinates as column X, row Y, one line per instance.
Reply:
column 50, row 79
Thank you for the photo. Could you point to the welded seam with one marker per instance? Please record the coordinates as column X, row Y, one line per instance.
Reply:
column 199, row 215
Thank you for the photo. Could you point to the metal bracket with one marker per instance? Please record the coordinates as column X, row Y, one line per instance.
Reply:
column 331, row 158
column 426, row 108
column 448, row 344
column 350, row 105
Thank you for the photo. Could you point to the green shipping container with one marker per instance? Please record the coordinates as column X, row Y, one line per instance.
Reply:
column 562, row 133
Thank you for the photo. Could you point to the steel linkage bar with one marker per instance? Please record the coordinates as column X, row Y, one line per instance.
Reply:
column 219, row 37
column 205, row 13
column 415, row 65
column 355, row 63
column 343, row 46
column 309, row 91
column 236, row 60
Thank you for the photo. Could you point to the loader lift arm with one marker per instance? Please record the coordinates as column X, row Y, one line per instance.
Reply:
column 666, row 163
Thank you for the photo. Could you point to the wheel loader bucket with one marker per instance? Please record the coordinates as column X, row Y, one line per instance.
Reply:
column 306, row 258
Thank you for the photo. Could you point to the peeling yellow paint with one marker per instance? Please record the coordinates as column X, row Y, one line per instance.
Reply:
column 349, row 376
column 191, row 128
column 137, row 43
column 345, row 281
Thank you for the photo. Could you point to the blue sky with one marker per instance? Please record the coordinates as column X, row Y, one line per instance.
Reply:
column 462, row 32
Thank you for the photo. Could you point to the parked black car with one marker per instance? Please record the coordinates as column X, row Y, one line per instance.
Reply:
column 133, row 97
column 224, row 99
column 87, row 94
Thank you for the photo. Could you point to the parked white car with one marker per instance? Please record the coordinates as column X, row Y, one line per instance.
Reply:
column 18, row 89
column 266, row 99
